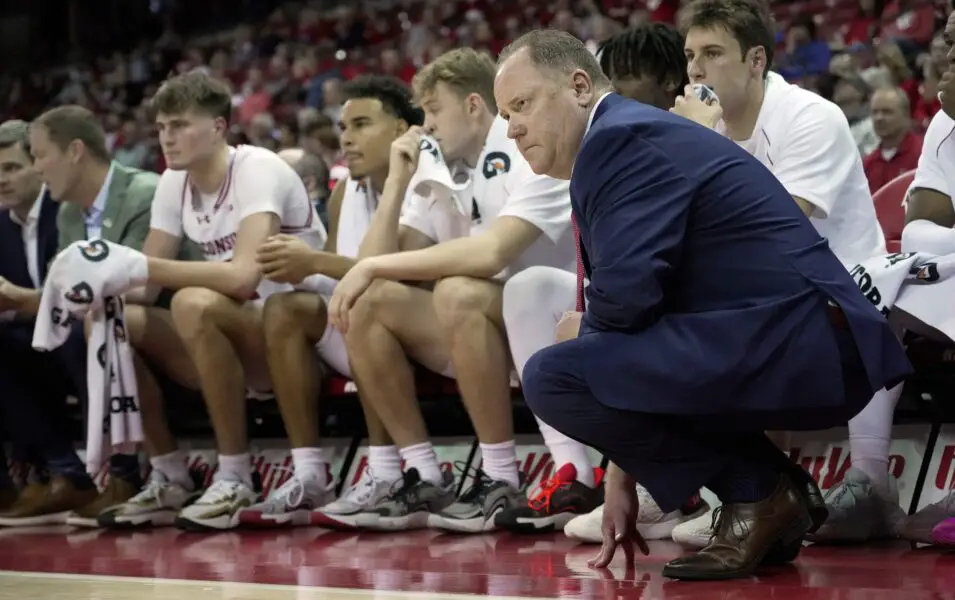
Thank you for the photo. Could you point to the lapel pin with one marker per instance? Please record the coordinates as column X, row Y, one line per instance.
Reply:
column 107, row 223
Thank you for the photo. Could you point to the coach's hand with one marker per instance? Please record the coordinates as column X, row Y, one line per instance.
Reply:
column 619, row 525
column 569, row 326
column 404, row 154
column 347, row 292
column 694, row 109
column 286, row 259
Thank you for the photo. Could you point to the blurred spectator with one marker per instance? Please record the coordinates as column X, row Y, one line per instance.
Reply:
column 890, row 59
column 851, row 94
column 805, row 55
column 314, row 173
column 932, row 65
column 910, row 23
column 861, row 29
column 130, row 147
column 899, row 147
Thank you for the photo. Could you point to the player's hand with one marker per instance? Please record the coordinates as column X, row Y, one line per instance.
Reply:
column 285, row 259
column 404, row 154
column 619, row 525
column 347, row 292
column 707, row 114
column 569, row 326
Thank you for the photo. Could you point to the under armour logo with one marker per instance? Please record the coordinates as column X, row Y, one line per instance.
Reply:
column 203, row 219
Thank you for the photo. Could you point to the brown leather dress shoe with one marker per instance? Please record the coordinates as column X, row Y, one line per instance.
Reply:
column 779, row 521
column 46, row 504
column 117, row 491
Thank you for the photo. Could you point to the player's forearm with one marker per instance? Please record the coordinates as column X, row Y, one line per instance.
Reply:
column 27, row 303
column 228, row 278
column 382, row 235
column 145, row 295
column 468, row 257
column 331, row 265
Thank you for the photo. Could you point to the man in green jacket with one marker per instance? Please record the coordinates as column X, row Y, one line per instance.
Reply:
column 99, row 198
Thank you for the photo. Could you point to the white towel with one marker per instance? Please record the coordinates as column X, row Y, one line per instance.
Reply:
column 92, row 277
column 439, row 182
column 918, row 283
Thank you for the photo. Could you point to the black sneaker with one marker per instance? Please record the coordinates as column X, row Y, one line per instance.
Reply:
column 410, row 505
column 557, row 501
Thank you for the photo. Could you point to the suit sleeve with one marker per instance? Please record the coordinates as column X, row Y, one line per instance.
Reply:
column 139, row 222
column 635, row 209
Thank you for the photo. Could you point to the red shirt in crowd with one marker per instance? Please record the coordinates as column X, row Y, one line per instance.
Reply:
column 882, row 166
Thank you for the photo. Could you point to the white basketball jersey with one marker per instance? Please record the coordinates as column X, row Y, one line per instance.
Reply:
column 257, row 181
column 503, row 184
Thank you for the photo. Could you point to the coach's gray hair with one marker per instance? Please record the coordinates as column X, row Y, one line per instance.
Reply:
column 15, row 132
column 558, row 51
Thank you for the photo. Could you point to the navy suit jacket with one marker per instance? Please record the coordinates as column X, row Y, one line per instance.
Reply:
column 708, row 286
column 13, row 258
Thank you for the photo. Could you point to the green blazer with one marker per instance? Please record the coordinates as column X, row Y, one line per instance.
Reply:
column 129, row 201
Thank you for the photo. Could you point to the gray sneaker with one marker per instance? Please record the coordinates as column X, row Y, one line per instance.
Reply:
column 857, row 513
column 918, row 527
column 410, row 504
column 475, row 510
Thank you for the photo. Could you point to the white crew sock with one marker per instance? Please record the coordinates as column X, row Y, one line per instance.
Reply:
column 870, row 435
column 173, row 467
column 564, row 450
column 311, row 465
column 236, row 467
column 423, row 458
column 385, row 462
column 499, row 462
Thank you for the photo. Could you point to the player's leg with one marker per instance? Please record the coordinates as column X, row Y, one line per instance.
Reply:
column 389, row 325
column 226, row 342
column 469, row 313
column 533, row 302
column 160, row 353
column 293, row 323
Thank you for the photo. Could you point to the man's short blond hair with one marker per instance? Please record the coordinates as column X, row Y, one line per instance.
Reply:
column 464, row 70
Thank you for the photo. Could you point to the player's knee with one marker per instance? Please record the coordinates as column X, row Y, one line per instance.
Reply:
column 379, row 300
column 289, row 312
column 194, row 309
column 456, row 300
column 527, row 294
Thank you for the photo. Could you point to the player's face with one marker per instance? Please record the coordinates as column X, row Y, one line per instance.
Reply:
column 547, row 113
column 715, row 58
column 57, row 168
column 367, row 132
column 189, row 138
column 646, row 89
column 450, row 119
column 19, row 181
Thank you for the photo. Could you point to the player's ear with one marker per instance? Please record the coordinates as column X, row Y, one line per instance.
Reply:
column 671, row 85
column 401, row 128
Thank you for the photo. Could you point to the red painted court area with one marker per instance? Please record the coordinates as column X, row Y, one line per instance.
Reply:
column 308, row 563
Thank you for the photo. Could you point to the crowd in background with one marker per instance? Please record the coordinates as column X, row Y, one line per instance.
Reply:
column 287, row 71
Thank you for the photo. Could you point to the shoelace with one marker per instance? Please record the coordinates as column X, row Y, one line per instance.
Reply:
column 153, row 489
column 219, row 491
column 539, row 499
column 481, row 486
column 363, row 490
column 290, row 493
column 717, row 524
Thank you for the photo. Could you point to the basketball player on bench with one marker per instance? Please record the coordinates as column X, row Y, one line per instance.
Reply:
column 377, row 111
column 228, row 201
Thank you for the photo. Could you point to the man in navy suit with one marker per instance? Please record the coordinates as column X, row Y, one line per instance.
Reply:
column 714, row 311
column 33, row 385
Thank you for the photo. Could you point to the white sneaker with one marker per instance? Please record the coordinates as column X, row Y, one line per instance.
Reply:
column 695, row 533
column 218, row 506
column 367, row 493
column 652, row 523
column 155, row 506
column 290, row 505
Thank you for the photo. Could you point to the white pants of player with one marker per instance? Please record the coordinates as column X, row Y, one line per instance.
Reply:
column 534, row 301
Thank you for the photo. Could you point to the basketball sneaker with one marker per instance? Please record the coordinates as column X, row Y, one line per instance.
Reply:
column 652, row 522
column 289, row 505
column 366, row 495
column 219, row 505
column 410, row 504
column 928, row 524
column 554, row 504
column 476, row 509
column 858, row 512
column 155, row 506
